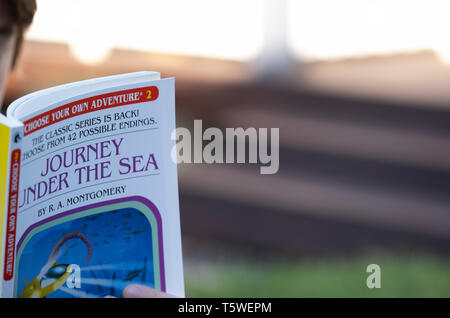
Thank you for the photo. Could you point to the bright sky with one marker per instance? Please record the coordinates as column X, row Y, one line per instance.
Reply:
column 226, row 29
column 338, row 28
column 233, row 29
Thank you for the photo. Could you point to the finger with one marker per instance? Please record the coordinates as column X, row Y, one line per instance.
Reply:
column 140, row 291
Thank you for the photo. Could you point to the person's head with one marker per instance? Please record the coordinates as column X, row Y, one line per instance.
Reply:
column 15, row 17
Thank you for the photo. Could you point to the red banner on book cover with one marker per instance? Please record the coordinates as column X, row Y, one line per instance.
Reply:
column 91, row 104
column 12, row 215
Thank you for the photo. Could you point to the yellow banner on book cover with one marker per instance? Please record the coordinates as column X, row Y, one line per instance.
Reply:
column 4, row 156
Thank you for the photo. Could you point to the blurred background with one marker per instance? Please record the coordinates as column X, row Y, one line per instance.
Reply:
column 360, row 92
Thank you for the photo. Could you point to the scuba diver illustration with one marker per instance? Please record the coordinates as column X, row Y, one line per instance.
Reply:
column 53, row 275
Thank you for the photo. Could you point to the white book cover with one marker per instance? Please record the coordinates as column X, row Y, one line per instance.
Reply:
column 95, row 190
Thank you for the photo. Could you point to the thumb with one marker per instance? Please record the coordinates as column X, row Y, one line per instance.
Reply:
column 140, row 291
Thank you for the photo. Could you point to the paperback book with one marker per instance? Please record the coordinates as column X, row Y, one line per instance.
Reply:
column 88, row 189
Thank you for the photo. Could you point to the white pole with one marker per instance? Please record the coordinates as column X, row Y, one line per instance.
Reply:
column 275, row 61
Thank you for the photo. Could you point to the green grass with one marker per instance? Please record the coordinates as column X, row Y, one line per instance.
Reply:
column 401, row 276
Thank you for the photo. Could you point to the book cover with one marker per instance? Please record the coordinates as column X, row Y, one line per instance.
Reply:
column 90, row 192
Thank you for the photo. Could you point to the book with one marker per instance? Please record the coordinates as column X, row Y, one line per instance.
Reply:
column 88, row 189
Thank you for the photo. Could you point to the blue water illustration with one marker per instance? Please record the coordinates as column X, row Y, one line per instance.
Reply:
column 120, row 251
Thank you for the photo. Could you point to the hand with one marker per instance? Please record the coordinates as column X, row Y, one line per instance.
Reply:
column 140, row 291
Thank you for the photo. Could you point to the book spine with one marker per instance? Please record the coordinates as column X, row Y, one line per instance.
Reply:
column 9, row 187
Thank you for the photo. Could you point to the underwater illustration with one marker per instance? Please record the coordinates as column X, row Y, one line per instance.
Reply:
column 109, row 250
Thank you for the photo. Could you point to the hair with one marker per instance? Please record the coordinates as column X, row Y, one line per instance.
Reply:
column 22, row 12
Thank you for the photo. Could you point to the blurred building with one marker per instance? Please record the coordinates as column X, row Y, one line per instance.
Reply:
column 364, row 146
